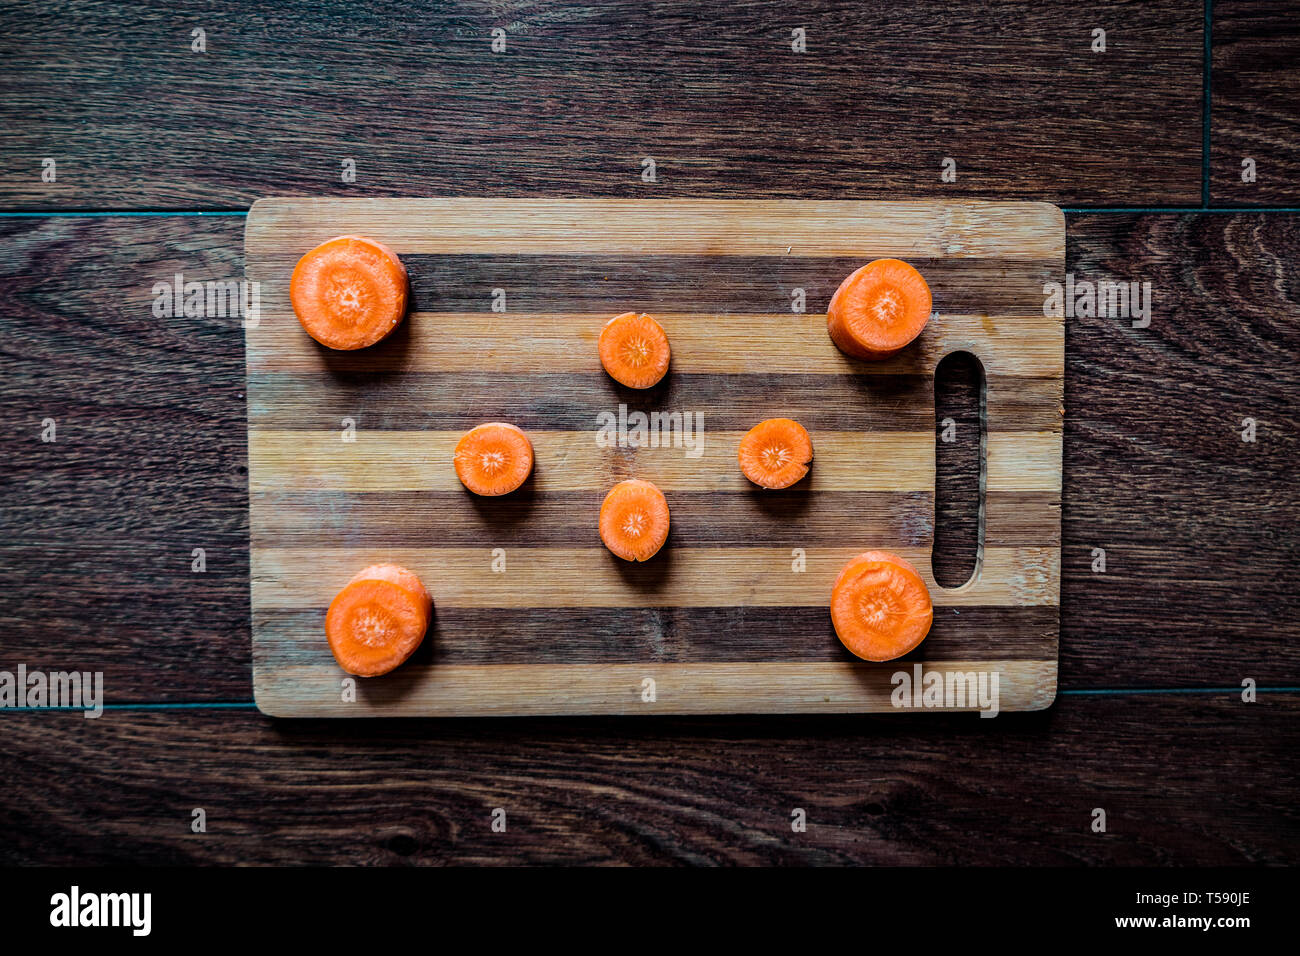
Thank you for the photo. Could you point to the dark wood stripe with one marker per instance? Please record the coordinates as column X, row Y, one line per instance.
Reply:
column 566, row 519
column 1015, row 518
column 378, row 401
column 669, row 635
column 613, row 284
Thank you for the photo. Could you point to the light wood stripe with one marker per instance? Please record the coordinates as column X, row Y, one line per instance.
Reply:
column 680, row 577
column 702, row 343
column 573, row 461
column 302, row 519
column 633, row 227
column 698, row 688
column 1022, row 461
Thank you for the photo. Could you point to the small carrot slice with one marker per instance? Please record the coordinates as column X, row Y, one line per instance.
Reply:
column 634, row 350
column 349, row 293
column 634, row 520
column 493, row 459
column 775, row 453
column 880, row 606
column 378, row 620
column 879, row 309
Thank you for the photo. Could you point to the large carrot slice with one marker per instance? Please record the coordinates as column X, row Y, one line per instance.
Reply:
column 879, row 309
column 378, row 620
column 634, row 520
column 775, row 453
column 634, row 350
column 880, row 606
column 349, row 293
column 493, row 459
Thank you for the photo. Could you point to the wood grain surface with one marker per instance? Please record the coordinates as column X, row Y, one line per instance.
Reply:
column 732, row 262
column 1183, row 781
column 583, row 93
column 151, row 462
column 1255, row 107
column 1197, row 524
column 97, row 529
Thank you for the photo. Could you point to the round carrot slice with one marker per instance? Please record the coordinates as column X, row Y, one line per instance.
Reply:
column 775, row 453
column 378, row 620
column 349, row 293
column 879, row 309
column 493, row 459
column 634, row 520
column 880, row 606
column 634, row 350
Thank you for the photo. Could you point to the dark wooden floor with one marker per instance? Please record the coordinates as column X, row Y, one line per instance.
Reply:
column 1198, row 526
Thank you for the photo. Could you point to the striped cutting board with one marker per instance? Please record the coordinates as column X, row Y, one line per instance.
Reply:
column 350, row 454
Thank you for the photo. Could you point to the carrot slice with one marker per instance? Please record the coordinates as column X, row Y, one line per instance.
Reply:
column 493, row 459
column 349, row 293
column 880, row 606
column 378, row 620
column 879, row 309
column 775, row 453
column 634, row 350
column 634, row 520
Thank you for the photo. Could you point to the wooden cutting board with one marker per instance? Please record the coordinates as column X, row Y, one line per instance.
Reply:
column 350, row 454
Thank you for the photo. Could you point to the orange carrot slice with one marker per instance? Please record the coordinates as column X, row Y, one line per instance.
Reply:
column 634, row 520
column 349, row 293
column 775, row 453
column 493, row 459
column 378, row 620
column 879, row 309
column 880, row 606
column 634, row 350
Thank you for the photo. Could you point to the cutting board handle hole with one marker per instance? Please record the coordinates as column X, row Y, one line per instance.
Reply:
column 959, row 469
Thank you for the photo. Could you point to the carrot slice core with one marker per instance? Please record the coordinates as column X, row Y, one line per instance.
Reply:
column 634, row 520
column 378, row 620
column 880, row 606
column 775, row 453
column 493, row 459
column 349, row 293
column 879, row 309
column 634, row 350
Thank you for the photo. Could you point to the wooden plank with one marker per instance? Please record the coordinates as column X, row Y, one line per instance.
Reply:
column 319, row 519
column 981, row 256
column 706, row 343
column 654, row 635
column 1254, row 108
column 612, row 231
column 1016, row 790
column 718, row 98
column 591, row 577
column 321, row 399
column 1197, row 525
column 845, row 461
column 98, row 528
column 600, row 687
